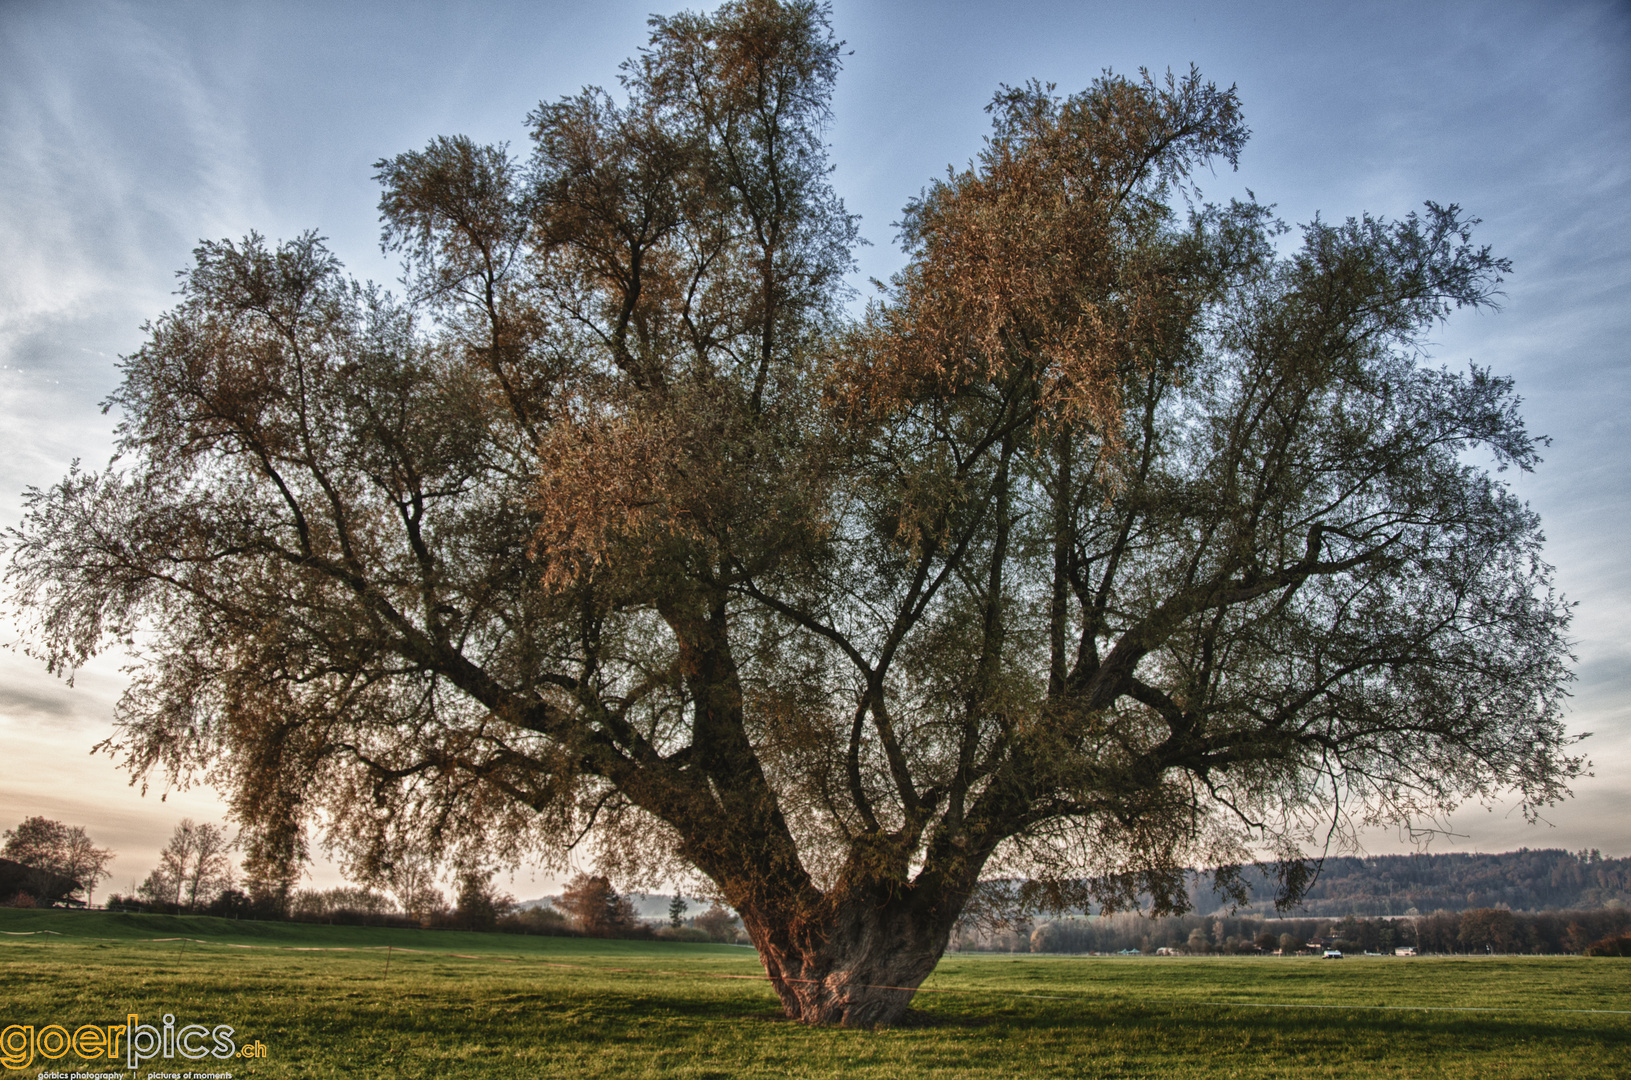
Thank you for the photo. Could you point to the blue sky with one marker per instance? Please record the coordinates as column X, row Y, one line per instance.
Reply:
column 130, row 131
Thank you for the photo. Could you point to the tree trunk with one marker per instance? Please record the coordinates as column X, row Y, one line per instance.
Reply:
column 858, row 968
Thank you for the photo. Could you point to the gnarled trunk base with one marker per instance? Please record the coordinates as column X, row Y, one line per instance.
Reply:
column 859, row 970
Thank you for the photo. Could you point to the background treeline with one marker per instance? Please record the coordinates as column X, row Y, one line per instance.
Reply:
column 1523, row 880
column 588, row 907
column 196, row 876
column 1478, row 931
column 1547, row 901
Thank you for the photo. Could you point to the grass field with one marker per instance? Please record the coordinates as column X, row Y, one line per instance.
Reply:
column 487, row 1005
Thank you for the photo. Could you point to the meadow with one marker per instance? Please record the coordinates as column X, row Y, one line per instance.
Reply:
column 330, row 1001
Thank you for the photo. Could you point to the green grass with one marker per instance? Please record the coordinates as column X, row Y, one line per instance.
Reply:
column 488, row 1005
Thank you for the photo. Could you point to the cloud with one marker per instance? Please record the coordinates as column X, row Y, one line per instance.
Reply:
column 115, row 153
column 34, row 705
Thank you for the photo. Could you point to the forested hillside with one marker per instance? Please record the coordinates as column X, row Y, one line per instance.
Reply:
column 1524, row 880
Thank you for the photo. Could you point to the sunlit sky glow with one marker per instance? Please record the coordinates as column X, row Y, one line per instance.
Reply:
column 130, row 131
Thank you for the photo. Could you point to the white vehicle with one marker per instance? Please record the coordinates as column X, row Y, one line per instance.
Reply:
column 1333, row 954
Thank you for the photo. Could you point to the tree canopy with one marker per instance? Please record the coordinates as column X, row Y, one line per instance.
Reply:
column 1124, row 532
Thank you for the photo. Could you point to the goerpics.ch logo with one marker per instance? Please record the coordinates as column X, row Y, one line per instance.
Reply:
column 133, row 1041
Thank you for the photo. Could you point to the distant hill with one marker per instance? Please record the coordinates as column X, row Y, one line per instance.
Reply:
column 1523, row 880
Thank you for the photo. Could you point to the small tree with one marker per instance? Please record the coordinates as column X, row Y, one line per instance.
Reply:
column 211, row 870
column 425, row 904
column 595, row 907
column 412, row 879
column 162, row 885
column 480, row 904
column 676, row 910
column 718, row 924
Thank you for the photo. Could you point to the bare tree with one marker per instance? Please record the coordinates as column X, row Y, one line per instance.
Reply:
column 412, row 877
column 193, row 868
column 1111, row 541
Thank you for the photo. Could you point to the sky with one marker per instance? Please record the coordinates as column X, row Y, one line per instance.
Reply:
column 129, row 132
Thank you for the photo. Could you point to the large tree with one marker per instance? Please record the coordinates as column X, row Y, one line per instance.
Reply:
column 1111, row 540
column 59, row 853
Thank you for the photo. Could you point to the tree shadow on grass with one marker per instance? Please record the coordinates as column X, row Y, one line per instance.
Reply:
column 582, row 1012
column 1231, row 1022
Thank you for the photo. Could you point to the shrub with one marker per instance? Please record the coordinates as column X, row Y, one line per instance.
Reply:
column 1610, row 946
column 346, row 906
column 543, row 920
column 682, row 933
